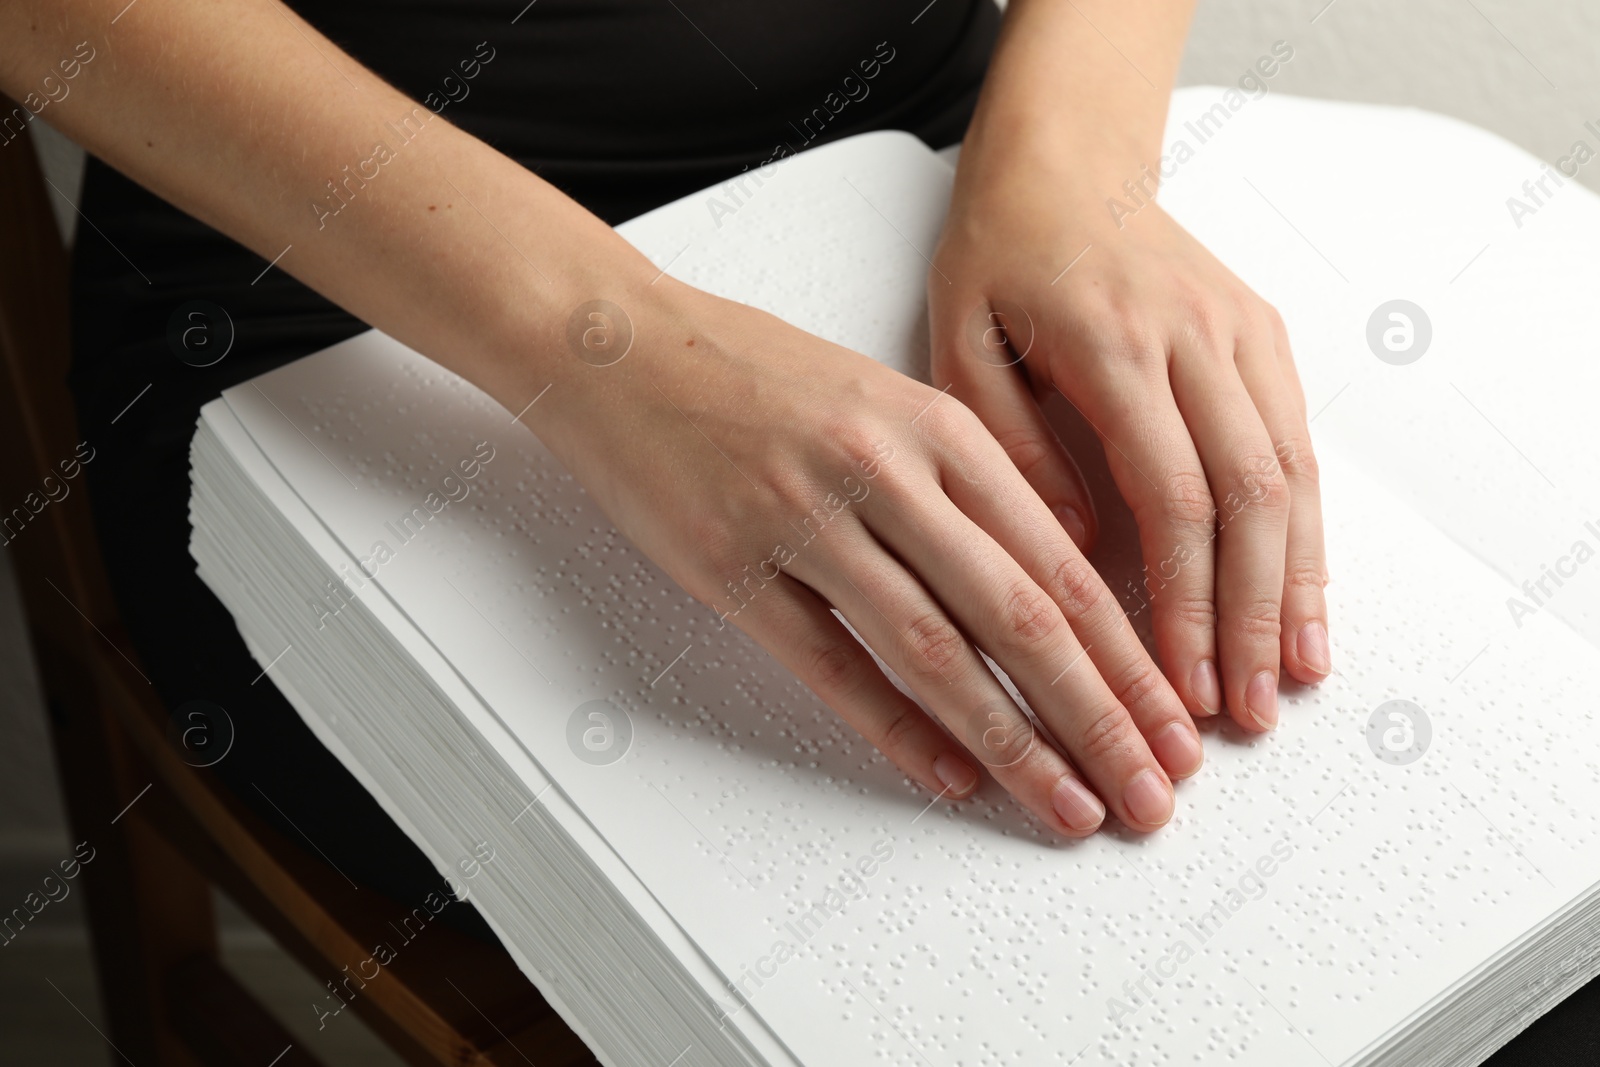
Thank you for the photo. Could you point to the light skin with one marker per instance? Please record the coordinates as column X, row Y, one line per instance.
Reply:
column 1184, row 372
column 741, row 424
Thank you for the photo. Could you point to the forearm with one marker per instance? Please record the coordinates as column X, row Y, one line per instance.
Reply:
column 1077, row 89
column 244, row 116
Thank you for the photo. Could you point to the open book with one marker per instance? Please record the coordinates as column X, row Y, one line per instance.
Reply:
column 698, row 863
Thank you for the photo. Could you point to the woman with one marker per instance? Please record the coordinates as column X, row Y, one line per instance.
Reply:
column 474, row 239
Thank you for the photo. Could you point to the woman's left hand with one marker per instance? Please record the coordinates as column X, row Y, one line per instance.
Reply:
column 1187, row 377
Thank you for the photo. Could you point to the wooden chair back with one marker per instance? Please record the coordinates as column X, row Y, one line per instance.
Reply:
column 165, row 832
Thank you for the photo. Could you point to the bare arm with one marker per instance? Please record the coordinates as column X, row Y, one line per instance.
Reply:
column 240, row 113
column 1082, row 80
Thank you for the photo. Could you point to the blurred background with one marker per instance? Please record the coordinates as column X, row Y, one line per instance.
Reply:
column 1527, row 72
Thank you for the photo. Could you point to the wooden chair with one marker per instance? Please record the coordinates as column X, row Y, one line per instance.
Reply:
column 167, row 997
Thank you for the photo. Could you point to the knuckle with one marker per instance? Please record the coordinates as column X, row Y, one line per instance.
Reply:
column 1124, row 336
column 1257, row 328
column 1140, row 349
column 1260, row 481
column 1274, row 319
column 1261, row 620
column 937, row 644
column 1075, row 586
column 1297, row 458
column 900, row 730
column 859, row 441
column 903, row 484
column 797, row 496
column 1137, row 684
column 1109, row 733
column 1144, row 357
column 834, row 668
column 946, row 417
column 1198, row 612
column 1210, row 322
column 1303, row 577
column 1027, row 616
column 1246, row 303
column 1028, row 449
column 1186, row 499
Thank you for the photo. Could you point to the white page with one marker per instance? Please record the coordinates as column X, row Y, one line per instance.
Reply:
column 980, row 934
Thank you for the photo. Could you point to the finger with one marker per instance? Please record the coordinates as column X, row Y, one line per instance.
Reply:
column 1252, row 529
column 1153, row 460
column 1015, row 519
column 1275, row 387
column 797, row 626
column 985, row 370
column 900, row 620
column 1022, row 628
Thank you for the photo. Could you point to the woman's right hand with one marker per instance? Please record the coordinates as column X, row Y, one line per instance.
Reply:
column 775, row 476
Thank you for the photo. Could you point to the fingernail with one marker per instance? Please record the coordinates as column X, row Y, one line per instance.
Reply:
column 1178, row 750
column 1313, row 647
column 1078, row 808
column 1261, row 700
column 955, row 774
column 1149, row 798
column 1071, row 520
column 1205, row 686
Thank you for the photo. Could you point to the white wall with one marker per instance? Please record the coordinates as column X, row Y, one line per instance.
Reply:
column 1529, row 72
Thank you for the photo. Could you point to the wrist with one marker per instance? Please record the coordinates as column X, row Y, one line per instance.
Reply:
column 1064, row 105
column 1010, row 153
column 585, row 347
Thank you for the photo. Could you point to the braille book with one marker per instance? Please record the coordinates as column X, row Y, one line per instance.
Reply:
column 699, row 864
